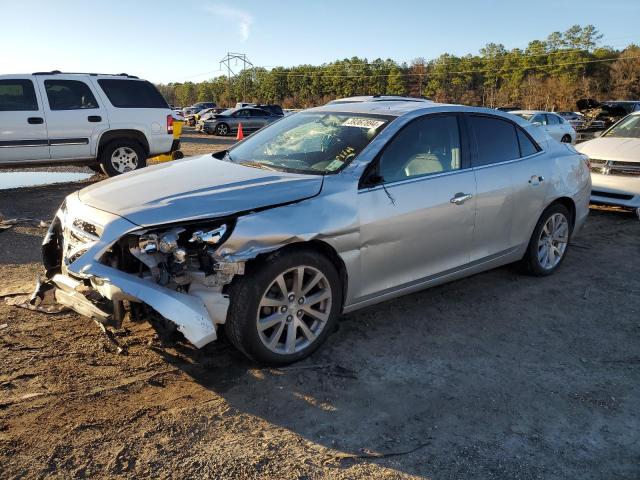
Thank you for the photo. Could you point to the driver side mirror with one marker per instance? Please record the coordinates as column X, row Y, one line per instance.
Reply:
column 538, row 123
column 372, row 180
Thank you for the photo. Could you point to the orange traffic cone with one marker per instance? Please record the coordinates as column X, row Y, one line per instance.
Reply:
column 240, row 135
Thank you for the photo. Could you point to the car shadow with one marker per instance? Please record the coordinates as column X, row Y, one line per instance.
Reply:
column 470, row 376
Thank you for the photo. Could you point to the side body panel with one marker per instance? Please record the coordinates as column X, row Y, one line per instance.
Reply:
column 73, row 133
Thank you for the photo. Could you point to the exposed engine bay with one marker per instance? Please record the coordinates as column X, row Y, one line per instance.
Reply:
column 142, row 272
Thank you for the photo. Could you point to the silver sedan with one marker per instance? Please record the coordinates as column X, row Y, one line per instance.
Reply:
column 324, row 212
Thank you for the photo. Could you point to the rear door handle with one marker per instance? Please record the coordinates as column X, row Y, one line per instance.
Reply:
column 536, row 179
column 35, row 120
column 459, row 198
column 94, row 118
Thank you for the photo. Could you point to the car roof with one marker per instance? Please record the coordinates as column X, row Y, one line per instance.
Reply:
column 79, row 74
column 400, row 108
column 376, row 98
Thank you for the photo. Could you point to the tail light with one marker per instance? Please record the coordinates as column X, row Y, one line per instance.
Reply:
column 587, row 162
column 170, row 124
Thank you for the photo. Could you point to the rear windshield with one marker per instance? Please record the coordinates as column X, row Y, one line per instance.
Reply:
column 526, row 116
column 132, row 94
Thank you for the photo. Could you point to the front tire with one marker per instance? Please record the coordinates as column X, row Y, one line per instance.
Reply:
column 548, row 245
column 121, row 156
column 284, row 307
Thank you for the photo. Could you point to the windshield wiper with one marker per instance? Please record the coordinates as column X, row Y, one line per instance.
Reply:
column 251, row 163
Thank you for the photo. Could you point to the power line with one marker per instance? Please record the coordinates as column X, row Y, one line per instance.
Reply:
column 533, row 67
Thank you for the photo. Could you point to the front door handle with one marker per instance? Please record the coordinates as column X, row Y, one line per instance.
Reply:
column 459, row 198
column 94, row 118
column 35, row 120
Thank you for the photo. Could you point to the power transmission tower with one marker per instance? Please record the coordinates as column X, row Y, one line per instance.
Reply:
column 239, row 58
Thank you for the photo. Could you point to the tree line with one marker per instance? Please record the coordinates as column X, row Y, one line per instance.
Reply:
column 548, row 74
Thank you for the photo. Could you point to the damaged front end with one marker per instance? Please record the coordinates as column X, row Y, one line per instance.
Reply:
column 97, row 262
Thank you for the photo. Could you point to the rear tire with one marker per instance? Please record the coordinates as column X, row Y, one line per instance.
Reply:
column 549, row 242
column 121, row 156
column 274, row 326
column 222, row 130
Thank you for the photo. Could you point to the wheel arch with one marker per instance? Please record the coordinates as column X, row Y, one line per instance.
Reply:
column 322, row 248
column 128, row 134
column 569, row 204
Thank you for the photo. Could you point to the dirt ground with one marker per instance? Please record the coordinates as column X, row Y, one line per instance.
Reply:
column 496, row 376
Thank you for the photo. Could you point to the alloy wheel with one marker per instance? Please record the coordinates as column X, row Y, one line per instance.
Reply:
column 294, row 310
column 553, row 241
column 124, row 159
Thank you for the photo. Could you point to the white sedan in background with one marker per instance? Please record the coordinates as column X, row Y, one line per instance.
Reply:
column 615, row 164
column 556, row 126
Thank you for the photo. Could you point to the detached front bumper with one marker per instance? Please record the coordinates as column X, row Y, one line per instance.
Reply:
column 89, row 287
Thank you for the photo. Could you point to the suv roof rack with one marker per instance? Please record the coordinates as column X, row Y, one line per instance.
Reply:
column 58, row 72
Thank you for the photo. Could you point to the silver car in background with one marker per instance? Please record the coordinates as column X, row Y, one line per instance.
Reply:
column 326, row 211
column 555, row 125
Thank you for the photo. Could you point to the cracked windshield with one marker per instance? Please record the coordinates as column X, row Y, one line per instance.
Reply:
column 316, row 143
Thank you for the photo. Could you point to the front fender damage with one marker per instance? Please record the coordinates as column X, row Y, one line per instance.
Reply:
column 195, row 298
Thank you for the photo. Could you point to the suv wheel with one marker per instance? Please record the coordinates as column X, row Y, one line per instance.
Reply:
column 284, row 307
column 549, row 242
column 120, row 156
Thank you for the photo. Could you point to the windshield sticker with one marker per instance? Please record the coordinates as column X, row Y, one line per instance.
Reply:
column 362, row 122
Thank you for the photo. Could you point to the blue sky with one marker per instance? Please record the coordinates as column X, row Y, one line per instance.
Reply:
column 180, row 40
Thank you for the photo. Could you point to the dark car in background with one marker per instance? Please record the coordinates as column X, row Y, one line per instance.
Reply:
column 196, row 107
column 251, row 118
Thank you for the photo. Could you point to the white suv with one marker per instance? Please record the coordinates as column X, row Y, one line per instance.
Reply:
column 112, row 121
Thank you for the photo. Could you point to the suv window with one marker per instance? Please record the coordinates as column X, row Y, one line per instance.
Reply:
column 242, row 113
column 552, row 120
column 259, row 113
column 496, row 140
column 132, row 94
column 69, row 95
column 17, row 96
column 426, row 146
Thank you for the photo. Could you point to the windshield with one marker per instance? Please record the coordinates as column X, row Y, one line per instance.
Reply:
column 309, row 142
column 628, row 127
column 526, row 116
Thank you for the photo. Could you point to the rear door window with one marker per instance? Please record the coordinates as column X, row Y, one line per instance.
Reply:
column 496, row 140
column 541, row 119
column 132, row 94
column 17, row 95
column 552, row 120
column 69, row 95
column 527, row 146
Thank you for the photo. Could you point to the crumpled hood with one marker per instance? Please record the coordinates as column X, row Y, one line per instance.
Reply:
column 612, row 148
column 194, row 188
